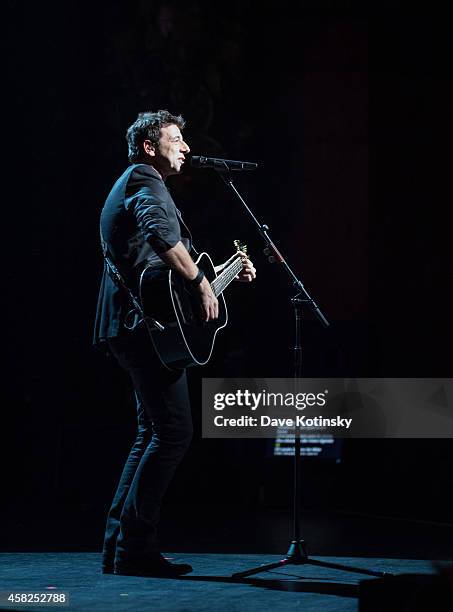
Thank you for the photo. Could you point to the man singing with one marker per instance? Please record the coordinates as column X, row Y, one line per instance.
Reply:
column 140, row 225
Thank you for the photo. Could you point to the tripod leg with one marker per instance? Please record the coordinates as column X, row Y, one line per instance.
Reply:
column 347, row 568
column 262, row 568
column 296, row 555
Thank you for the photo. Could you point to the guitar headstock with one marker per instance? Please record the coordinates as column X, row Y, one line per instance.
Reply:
column 240, row 246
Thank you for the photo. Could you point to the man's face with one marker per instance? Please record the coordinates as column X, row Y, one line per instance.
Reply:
column 168, row 157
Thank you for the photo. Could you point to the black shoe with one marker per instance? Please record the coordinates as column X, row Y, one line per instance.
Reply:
column 158, row 567
column 108, row 569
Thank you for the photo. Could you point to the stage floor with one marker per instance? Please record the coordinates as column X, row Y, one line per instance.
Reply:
column 209, row 587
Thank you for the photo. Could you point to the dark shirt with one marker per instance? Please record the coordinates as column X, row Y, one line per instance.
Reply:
column 139, row 221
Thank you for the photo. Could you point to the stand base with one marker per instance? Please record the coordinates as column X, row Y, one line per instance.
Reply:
column 297, row 555
column 297, row 552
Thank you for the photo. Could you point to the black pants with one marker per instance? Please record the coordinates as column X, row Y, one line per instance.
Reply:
column 163, row 436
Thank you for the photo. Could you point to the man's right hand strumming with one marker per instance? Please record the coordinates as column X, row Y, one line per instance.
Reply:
column 179, row 259
column 209, row 302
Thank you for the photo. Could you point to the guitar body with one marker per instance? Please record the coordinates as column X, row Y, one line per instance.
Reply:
column 187, row 340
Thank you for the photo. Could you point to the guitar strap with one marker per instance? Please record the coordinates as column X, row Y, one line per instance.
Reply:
column 181, row 221
column 115, row 275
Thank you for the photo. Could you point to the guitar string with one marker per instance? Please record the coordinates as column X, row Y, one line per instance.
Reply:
column 220, row 283
column 224, row 280
column 228, row 275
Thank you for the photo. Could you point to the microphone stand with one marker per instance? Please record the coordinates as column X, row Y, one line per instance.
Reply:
column 297, row 552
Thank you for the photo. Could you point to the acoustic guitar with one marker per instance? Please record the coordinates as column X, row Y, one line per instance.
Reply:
column 183, row 338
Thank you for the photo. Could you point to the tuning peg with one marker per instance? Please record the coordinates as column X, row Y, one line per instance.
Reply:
column 239, row 246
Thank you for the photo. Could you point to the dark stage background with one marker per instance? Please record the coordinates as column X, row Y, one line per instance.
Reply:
column 346, row 115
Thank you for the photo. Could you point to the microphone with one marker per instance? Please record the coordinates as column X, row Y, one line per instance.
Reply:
column 225, row 165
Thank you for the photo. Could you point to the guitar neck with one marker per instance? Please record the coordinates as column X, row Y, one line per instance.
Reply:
column 221, row 282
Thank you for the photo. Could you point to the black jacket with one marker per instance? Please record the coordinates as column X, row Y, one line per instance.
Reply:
column 139, row 220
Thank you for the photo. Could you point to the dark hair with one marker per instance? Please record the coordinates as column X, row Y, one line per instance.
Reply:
column 147, row 126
